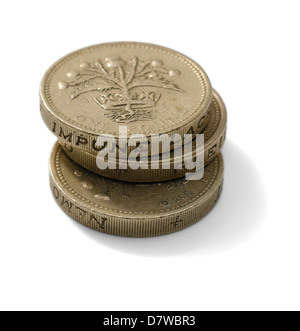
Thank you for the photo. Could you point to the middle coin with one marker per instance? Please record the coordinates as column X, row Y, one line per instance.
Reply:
column 214, row 137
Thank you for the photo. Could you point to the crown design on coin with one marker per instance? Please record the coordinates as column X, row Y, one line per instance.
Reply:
column 124, row 88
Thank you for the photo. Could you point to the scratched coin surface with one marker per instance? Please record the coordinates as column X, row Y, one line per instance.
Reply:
column 214, row 137
column 149, row 88
column 131, row 209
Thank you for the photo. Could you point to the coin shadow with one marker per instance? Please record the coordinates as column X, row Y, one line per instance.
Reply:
column 237, row 216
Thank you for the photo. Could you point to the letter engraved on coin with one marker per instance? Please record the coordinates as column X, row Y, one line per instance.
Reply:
column 67, row 137
column 177, row 221
column 82, row 212
column 212, row 151
column 67, row 203
column 201, row 122
column 191, row 131
column 188, row 193
column 119, row 86
column 55, row 192
column 81, row 140
column 165, row 203
column 178, row 198
column 99, row 223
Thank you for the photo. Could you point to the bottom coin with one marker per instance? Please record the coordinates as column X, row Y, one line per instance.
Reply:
column 132, row 209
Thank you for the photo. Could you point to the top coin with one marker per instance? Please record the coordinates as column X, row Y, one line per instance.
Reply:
column 149, row 88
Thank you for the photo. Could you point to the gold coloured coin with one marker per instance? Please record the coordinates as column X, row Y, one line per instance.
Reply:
column 214, row 137
column 149, row 88
column 131, row 209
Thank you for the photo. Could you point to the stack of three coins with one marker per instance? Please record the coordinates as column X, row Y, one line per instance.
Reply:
column 146, row 91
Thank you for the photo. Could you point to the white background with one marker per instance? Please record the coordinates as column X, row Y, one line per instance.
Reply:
column 245, row 254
